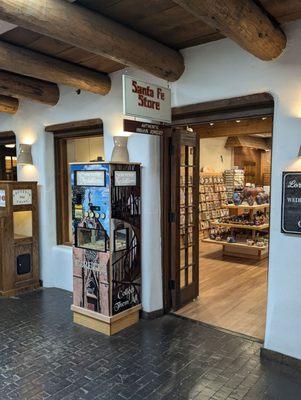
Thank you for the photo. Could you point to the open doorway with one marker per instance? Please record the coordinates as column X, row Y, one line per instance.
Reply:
column 234, row 185
column 227, row 285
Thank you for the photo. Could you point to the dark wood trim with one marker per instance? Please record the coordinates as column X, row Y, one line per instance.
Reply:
column 75, row 126
column 63, row 132
column 280, row 358
column 7, row 137
column 255, row 105
column 61, row 185
column 165, row 223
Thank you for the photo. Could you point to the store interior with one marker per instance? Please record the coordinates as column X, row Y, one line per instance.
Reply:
column 234, row 198
column 8, row 156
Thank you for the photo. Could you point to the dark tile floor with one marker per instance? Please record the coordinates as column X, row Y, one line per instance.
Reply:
column 43, row 355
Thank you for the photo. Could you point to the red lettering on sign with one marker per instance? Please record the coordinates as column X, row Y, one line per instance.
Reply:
column 144, row 90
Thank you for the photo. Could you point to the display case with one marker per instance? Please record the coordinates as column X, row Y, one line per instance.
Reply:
column 106, row 218
column 19, row 237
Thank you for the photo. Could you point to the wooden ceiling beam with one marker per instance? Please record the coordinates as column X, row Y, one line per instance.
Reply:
column 242, row 21
column 8, row 105
column 83, row 28
column 36, row 65
column 23, row 87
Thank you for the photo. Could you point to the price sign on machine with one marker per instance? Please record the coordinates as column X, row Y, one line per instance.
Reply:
column 2, row 198
column 145, row 100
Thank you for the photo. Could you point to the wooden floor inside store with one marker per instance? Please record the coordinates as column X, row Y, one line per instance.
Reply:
column 233, row 292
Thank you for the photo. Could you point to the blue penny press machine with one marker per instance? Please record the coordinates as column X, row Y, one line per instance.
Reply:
column 106, row 223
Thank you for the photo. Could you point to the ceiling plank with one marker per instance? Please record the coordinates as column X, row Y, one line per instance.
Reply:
column 24, row 87
column 95, row 33
column 250, row 126
column 242, row 21
column 8, row 105
column 27, row 62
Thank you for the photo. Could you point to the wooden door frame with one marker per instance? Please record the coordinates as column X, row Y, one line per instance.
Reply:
column 255, row 105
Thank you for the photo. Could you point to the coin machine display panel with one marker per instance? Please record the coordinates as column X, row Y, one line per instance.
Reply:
column 106, row 219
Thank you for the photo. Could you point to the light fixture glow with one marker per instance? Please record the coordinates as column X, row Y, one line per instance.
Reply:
column 238, row 121
column 264, row 118
column 24, row 157
column 10, row 146
column 211, row 123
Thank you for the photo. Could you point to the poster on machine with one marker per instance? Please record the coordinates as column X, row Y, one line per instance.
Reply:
column 106, row 234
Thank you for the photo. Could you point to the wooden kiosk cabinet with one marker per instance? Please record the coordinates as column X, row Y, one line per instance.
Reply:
column 19, row 237
column 106, row 214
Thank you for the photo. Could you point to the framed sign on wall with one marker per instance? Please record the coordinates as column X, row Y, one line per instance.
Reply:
column 291, row 203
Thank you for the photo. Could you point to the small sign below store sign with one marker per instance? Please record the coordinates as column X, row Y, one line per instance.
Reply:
column 143, row 127
column 291, row 203
column 145, row 100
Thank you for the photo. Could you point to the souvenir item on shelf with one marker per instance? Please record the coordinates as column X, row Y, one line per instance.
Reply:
column 236, row 198
column 231, row 239
column 250, row 242
column 250, row 200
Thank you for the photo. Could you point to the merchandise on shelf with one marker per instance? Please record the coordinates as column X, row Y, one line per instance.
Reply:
column 213, row 199
column 234, row 181
column 250, row 196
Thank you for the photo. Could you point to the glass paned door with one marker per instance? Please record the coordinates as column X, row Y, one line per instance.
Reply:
column 184, row 217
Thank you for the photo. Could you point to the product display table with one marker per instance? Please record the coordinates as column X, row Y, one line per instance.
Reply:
column 242, row 226
column 242, row 249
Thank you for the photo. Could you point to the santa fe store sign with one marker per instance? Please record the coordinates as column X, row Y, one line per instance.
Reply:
column 145, row 100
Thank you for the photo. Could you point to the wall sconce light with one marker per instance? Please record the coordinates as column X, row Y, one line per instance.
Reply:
column 24, row 157
column 120, row 151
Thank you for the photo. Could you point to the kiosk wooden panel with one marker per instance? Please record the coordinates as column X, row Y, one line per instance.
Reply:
column 19, row 237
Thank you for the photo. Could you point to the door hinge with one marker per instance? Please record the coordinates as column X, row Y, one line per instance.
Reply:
column 171, row 149
column 172, row 217
column 172, row 284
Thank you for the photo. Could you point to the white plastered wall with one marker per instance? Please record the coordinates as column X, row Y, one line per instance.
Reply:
column 223, row 70
column 213, row 71
column 28, row 125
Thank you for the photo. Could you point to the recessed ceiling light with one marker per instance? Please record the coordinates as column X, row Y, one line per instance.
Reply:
column 10, row 146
